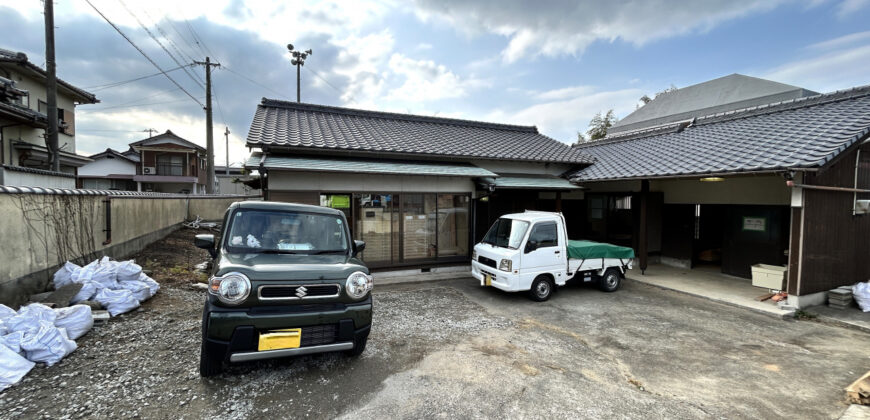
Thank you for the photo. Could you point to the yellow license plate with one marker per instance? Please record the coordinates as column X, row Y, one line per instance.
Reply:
column 487, row 280
column 289, row 338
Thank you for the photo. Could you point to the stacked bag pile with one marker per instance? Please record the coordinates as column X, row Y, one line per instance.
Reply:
column 39, row 334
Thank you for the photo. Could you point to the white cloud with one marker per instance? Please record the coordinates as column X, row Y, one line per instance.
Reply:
column 424, row 80
column 424, row 46
column 571, row 92
column 840, row 42
column 827, row 72
column 848, row 7
column 567, row 27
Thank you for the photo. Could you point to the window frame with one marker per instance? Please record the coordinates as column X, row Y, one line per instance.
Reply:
column 545, row 224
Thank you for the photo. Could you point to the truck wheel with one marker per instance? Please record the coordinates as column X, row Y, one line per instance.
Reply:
column 610, row 281
column 541, row 289
column 209, row 364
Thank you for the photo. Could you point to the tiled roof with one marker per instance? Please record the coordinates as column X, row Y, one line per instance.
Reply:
column 801, row 133
column 365, row 166
column 20, row 113
column 20, row 58
column 307, row 127
column 168, row 135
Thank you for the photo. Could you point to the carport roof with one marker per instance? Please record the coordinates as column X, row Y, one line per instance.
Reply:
column 803, row 133
column 511, row 181
column 364, row 166
column 308, row 128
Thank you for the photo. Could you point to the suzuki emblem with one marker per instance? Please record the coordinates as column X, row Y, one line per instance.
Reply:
column 301, row 291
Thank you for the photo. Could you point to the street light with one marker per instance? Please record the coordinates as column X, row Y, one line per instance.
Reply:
column 298, row 61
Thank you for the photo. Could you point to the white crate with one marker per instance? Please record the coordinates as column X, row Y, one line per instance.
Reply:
column 768, row 276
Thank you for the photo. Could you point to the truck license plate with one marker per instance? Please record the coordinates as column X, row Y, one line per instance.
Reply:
column 487, row 280
column 289, row 338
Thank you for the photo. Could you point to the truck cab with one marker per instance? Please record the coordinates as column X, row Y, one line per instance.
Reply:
column 531, row 252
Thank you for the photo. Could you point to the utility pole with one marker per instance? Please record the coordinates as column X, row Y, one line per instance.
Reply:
column 51, row 89
column 209, row 134
column 227, row 138
column 298, row 61
column 149, row 131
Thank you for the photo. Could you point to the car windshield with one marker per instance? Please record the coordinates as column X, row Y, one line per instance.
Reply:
column 506, row 233
column 282, row 232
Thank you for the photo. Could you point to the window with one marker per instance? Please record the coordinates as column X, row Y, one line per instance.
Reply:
column 172, row 165
column 254, row 231
column 545, row 235
column 506, row 233
column 596, row 208
column 622, row 203
column 23, row 101
column 66, row 122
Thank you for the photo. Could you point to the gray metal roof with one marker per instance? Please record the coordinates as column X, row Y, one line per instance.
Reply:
column 512, row 181
column 308, row 128
column 801, row 133
column 726, row 93
column 365, row 166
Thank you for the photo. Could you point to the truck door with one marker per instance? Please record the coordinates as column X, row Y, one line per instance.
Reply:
column 542, row 251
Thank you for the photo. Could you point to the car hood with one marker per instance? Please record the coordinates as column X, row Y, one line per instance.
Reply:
column 290, row 266
column 494, row 252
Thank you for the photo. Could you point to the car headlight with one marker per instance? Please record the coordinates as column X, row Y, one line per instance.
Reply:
column 231, row 288
column 358, row 285
column 505, row 265
column 473, row 255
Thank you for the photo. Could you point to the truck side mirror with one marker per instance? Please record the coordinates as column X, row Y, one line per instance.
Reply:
column 206, row 242
column 358, row 246
column 531, row 246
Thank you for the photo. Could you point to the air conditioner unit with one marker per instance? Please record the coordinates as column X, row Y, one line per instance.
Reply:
column 149, row 170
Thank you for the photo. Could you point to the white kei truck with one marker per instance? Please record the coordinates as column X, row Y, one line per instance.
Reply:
column 531, row 252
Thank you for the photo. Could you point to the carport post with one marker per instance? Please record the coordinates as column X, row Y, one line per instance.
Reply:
column 559, row 201
column 642, row 240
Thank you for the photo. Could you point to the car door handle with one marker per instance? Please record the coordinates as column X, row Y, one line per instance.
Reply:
column 558, row 252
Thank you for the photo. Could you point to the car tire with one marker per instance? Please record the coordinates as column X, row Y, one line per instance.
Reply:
column 209, row 364
column 542, row 288
column 359, row 346
column 610, row 281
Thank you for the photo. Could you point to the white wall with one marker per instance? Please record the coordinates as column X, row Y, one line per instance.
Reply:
column 106, row 166
column 348, row 182
column 25, row 179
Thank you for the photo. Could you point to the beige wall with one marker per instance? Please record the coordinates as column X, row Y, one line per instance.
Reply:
column 746, row 189
column 348, row 182
column 36, row 88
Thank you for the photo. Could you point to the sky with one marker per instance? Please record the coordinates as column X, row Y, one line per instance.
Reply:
column 549, row 63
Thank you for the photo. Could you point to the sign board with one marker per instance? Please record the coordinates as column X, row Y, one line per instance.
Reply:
column 339, row 201
column 755, row 224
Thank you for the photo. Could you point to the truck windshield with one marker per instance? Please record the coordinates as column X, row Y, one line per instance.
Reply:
column 506, row 233
column 281, row 232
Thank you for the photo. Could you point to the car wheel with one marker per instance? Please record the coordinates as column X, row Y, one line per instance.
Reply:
column 542, row 289
column 610, row 281
column 209, row 364
column 359, row 346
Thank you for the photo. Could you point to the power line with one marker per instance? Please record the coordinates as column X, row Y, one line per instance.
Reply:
column 143, row 53
column 254, row 81
column 143, row 98
column 157, row 40
column 134, row 105
column 172, row 43
column 124, row 82
column 327, row 82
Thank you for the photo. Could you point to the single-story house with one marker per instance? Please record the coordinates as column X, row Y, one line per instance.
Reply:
column 418, row 189
column 110, row 170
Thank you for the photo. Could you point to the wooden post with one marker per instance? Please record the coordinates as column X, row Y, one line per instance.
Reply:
column 643, row 239
column 558, row 201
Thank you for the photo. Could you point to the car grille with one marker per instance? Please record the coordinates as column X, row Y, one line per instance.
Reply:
column 319, row 335
column 486, row 261
column 308, row 291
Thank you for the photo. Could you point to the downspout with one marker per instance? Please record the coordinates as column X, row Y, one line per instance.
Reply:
column 108, row 229
column 262, row 170
column 855, row 193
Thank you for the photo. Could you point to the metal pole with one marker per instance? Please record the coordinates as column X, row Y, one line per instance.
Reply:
column 298, row 86
column 51, row 89
column 227, row 137
column 209, row 132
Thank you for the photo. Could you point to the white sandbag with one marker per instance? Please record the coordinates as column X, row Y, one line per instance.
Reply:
column 152, row 284
column 86, row 273
column 128, row 271
column 13, row 367
column 63, row 276
column 87, row 292
column 13, row 341
column 861, row 294
column 29, row 316
column 117, row 301
column 6, row 312
column 139, row 289
column 76, row 320
column 105, row 276
column 48, row 344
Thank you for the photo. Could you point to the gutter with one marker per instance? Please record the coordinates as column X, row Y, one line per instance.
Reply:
column 826, row 188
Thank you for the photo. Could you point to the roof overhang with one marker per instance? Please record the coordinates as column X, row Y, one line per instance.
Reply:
column 528, row 182
column 365, row 166
column 23, row 116
column 166, row 178
column 35, row 154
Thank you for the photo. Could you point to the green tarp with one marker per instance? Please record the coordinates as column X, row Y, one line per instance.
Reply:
column 586, row 250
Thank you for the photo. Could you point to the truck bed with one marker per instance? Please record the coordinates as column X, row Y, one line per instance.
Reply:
column 589, row 255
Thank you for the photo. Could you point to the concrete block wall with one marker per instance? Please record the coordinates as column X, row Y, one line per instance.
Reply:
column 39, row 232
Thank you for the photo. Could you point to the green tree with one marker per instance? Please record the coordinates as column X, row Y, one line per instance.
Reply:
column 599, row 125
column 645, row 99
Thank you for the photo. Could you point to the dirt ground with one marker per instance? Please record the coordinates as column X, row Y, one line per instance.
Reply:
column 453, row 349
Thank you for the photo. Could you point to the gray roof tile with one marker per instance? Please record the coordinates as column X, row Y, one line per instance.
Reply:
column 307, row 127
column 801, row 133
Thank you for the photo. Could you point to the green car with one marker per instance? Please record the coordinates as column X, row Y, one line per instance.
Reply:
column 286, row 281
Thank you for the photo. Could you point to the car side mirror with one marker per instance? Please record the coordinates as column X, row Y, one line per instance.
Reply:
column 206, row 242
column 358, row 246
column 531, row 246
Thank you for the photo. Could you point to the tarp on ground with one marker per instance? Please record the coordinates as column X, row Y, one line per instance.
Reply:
column 587, row 250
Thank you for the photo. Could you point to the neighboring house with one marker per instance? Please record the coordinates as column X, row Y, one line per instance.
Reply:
column 110, row 170
column 170, row 164
column 23, row 119
column 419, row 190
column 232, row 181
column 781, row 183
column 715, row 96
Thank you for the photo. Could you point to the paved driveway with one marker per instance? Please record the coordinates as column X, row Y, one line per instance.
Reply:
column 453, row 349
